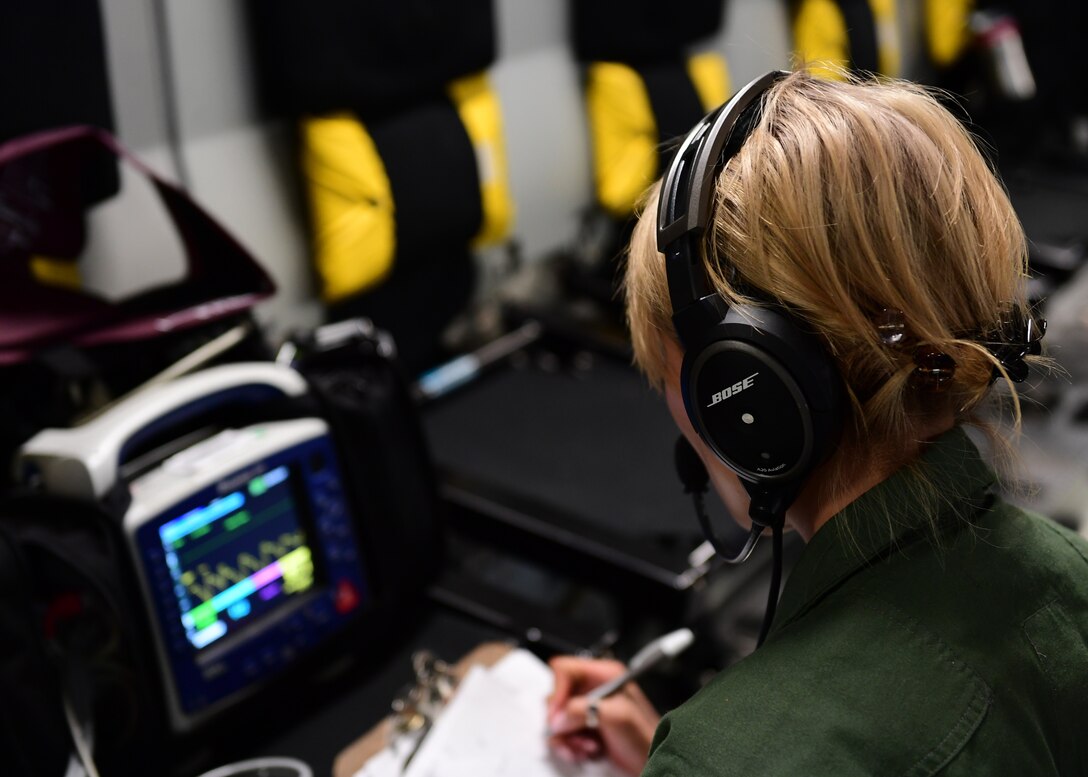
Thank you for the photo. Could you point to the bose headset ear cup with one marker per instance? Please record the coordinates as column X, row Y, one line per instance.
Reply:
column 763, row 395
column 758, row 390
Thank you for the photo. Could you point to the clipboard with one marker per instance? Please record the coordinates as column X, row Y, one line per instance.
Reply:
column 351, row 758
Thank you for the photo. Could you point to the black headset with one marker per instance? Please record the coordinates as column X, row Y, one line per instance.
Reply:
column 758, row 387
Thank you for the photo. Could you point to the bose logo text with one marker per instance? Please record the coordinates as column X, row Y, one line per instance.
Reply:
column 736, row 388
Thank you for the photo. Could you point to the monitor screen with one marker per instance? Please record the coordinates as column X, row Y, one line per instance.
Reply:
column 238, row 557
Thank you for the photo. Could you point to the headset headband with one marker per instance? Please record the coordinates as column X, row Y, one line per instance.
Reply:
column 758, row 389
column 687, row 193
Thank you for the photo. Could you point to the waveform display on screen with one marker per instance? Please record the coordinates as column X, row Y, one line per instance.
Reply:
column 203, row 581
column 237, row 557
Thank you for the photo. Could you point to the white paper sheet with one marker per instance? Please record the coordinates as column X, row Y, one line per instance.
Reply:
column 494, row 727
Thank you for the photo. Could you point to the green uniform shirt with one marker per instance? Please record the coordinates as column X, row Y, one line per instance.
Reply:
column 894, row 653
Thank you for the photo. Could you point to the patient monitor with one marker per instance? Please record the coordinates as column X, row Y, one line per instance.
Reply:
column 242, row 538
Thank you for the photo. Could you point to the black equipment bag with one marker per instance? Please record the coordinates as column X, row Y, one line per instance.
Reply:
column 366, row 397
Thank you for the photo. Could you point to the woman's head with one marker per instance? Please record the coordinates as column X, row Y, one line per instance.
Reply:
column 846, row 201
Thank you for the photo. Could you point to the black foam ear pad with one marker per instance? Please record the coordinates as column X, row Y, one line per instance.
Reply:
column 763, row 394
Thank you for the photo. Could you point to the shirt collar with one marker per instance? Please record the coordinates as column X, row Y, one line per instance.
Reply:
column 949, row 481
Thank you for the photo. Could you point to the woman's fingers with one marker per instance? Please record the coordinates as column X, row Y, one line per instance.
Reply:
column 576, row 676
column 625, row 727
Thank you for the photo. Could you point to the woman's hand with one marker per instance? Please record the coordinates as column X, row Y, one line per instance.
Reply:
column 626, row 724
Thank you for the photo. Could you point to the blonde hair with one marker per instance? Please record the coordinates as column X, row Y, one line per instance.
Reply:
column 849, row 199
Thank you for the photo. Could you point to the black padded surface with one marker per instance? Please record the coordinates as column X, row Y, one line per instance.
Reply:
column 640, row 31
column 376, row 58
column 596, row 443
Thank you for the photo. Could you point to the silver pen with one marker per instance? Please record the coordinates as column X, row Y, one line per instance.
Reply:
column 668, row 646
